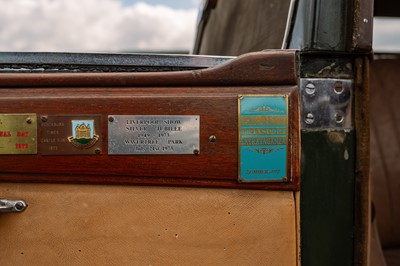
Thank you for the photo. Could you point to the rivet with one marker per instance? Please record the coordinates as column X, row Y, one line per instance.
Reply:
column 284, row 179
column 111, row 119
column 196, row 152
column 240, row 97
column 44, row 119
column 29, row 120
column 212, row 138
column 97, row 151
column 309, row 118
column 310, row 89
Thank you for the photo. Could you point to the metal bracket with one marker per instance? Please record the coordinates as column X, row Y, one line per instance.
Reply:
column 12, row 205
column 326, row 103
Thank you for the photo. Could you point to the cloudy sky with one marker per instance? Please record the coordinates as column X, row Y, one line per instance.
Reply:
column 120, row 26
column 97, row 25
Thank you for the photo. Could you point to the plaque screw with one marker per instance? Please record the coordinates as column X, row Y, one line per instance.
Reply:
column 309, row 118
column 212, row 138
column 196, row 152
column 19, row 206
column 44, row 119
column 97, row 151
column 310, row 89
column 29, row 120
column 284, row 179
column 111, row 119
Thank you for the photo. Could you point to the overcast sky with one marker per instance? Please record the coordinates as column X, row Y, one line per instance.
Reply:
column 97, row 25
column 119, row 26
column 386, row 34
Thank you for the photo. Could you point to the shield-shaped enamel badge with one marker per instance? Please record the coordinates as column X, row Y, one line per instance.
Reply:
column 83, row 134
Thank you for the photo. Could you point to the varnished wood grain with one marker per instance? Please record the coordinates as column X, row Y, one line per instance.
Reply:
column 215, row 166
column 210, row 93
column 259, row 68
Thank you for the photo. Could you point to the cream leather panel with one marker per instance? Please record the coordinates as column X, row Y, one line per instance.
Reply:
column 127, row 225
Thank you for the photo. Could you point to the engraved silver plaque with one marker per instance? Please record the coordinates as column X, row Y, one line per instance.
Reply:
column 145, row 134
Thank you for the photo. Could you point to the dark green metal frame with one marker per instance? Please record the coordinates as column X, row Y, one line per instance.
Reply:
column 334, row 169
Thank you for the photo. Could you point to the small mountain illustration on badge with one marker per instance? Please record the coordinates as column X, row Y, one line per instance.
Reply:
column 83, row 134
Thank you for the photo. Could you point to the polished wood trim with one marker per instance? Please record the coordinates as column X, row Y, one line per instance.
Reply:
column 144, row 181
column 259, row 68
column 216, row 165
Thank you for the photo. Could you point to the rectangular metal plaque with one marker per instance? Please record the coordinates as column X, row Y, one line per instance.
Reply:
column 70, row 134
column 18, row 134
column 144, row 134
column 263, row 138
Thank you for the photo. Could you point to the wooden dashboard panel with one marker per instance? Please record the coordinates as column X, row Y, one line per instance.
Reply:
column 102, row 95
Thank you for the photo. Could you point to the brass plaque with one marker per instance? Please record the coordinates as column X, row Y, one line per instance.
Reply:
column 18, row 134
column 70, row 134
column 161, row 134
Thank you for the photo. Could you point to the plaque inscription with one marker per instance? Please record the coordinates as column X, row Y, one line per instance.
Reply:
column 18, row 134
column 70, row 134
column 144, row 134
column 263, row 138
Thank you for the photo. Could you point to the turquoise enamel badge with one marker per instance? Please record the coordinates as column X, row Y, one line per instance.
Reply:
column 263, row 138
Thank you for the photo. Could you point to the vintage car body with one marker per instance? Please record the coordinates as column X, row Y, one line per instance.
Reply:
column 91, row 203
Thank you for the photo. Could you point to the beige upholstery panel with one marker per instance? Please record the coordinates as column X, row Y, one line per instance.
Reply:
column 385, row 149
column 126, row 225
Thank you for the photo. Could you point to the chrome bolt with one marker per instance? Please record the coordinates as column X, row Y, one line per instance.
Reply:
column 310, row 89
column 29, row 120
column 44, row 119
column 111, row 119
column 196, row 152
column 309, row 118
column 212, row 138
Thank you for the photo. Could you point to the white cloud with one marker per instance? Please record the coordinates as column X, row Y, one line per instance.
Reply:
column 93, row 25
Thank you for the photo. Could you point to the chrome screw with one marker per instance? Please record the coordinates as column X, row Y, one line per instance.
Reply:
column 339, row 118
column 338, row 87
column 111, row 119
column 309, row 118
column 310, row 89
column 19, row 206
column 196, row 152
column 212, row 138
